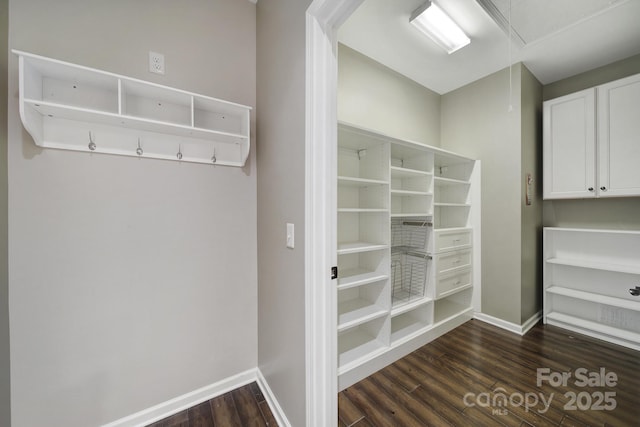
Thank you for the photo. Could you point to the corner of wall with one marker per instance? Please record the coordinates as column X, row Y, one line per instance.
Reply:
column 5, row 372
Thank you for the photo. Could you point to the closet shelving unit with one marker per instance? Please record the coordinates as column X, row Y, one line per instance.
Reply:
column 404, row 269
column 590, row 276
column 72, row 107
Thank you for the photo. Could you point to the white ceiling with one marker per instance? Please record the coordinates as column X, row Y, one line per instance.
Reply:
column 553, row 38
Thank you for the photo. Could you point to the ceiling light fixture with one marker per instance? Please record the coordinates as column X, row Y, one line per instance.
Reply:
column 437, row 25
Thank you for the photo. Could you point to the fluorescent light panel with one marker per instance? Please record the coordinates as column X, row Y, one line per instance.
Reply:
column 437, row 25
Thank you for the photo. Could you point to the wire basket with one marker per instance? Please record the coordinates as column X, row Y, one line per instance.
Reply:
column 409, row 276
column 409, row 234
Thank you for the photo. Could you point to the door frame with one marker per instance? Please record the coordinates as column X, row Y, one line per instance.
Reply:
column 323, row 18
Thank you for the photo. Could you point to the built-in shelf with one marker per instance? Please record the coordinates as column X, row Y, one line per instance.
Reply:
column 390, row 206
column 444, row 182
column 452, row 205
column 357, row 311
column 597, row 298
column 588, row 275
column 399, row 172
column 72, row 107
column 359, row 182
column 354, row 247
column 358, row 277
column 631, row 339
column 595, row 265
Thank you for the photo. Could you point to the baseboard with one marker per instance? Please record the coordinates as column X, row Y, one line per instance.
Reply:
column 509, row 326
column 180, row 403
column 276, row 409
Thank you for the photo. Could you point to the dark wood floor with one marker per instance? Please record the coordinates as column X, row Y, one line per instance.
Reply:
column 479, row 361
column 241, row 407
column 476, row 360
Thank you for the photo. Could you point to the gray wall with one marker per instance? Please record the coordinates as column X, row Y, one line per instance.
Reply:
column 531, row 216
column 618, row 213
column 375, row 97
column 5, row 373
column 281, row 199
column 476, row 122
column 131, row 281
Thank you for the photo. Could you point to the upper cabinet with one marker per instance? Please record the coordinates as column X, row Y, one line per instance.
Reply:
column 591, row 146
column 78, row 108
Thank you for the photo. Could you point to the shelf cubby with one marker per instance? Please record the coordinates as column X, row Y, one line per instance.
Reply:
column 362, row 230
column 361, row 304
column 454, row 305
column 362, row 194
column 408, row 323
column 361, row 268
column 363, row 341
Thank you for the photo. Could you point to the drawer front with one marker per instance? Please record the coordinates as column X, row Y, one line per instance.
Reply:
column 447, row 284
column 447, row 240
column 452, row 260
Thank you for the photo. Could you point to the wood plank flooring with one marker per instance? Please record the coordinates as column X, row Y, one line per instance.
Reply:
column 457, row 380
column 244, row 406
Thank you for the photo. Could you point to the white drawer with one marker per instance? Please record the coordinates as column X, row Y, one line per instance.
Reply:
column 450, row 283
column 445, row 240
column 452, row 260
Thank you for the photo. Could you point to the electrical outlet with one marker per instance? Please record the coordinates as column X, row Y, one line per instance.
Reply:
column 156, row 62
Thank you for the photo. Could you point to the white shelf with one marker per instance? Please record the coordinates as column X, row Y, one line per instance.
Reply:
column 399, row 172
column 597, row 298
column 354, row 345
column 71, row 107
column 396, row 311
column 349, row 181
column 358, row 277
column 586, row 326
column 445, row 182
column 355, row 247
column 595, row 265
column 362, row 210
column 354, row 312
column 411, row 214
column 410, row 193
column 452, row 205
column 406, row 326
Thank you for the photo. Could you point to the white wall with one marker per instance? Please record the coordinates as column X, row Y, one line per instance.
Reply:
column 476, row 122
column 281, row 199
column 131, row 281
column 375, row 97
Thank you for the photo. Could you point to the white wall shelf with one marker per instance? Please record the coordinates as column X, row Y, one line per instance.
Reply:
column 71, row 107
column 404, row 247
column 588, row 275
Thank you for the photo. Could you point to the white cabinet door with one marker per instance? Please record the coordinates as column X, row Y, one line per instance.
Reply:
column 619, row 138
column 569, row 146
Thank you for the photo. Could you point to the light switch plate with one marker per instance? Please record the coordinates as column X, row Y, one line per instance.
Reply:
column 291, row 237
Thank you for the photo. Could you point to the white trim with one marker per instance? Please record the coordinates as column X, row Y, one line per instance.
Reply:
column 180, row 403
column 322, row 20
column 273, row 403
column 509, row 326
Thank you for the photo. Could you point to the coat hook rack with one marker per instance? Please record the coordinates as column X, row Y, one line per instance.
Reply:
column 92, row 144
column 139, row 150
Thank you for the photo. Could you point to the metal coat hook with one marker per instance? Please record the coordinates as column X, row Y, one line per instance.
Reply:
column 179, row 155
column 213, row 159
column 92, row 145
column 139, row 150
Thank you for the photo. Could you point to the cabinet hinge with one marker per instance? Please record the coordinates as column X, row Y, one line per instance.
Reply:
column 334, row 272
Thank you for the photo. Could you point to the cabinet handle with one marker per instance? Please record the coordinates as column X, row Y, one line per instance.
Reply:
column 635, row 291
column 590, row 188
column 603, row 188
